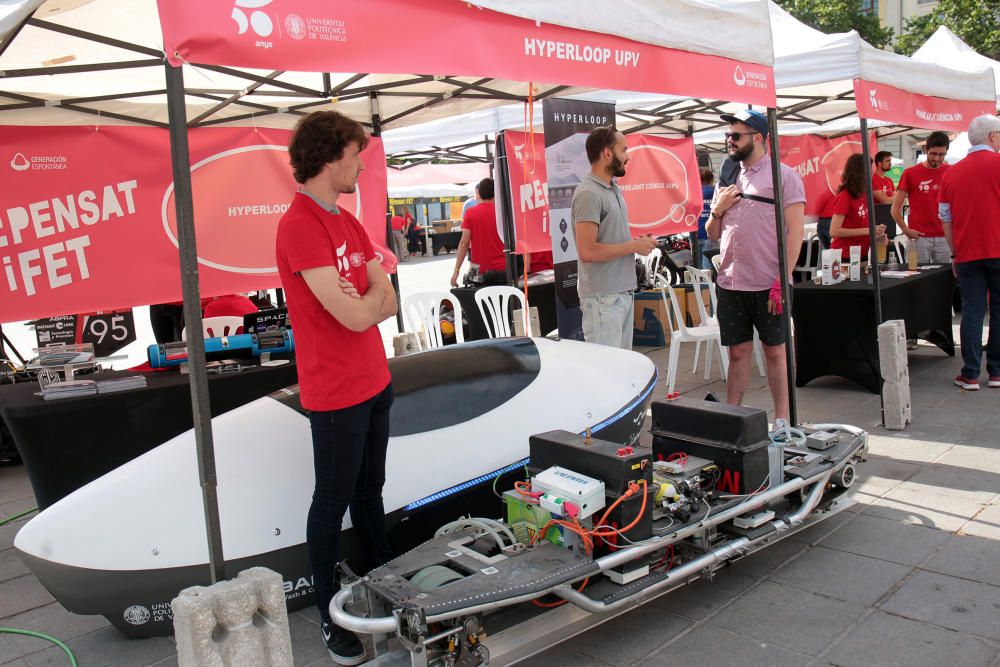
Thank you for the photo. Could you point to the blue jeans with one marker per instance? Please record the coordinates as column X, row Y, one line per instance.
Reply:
column 976, row 279
column 349, row 450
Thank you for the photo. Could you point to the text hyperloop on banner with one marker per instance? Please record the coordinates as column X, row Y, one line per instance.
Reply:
column 65, row 261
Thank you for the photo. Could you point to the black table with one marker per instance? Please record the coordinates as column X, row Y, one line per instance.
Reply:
column 446, row 241
column 541, row 295
column 835, row 330
column 69, row 442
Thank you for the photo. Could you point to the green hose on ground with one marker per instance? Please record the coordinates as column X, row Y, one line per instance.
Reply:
column 40, row 635
column 18, row 516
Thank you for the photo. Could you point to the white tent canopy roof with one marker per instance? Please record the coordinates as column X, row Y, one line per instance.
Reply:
column 945, row 48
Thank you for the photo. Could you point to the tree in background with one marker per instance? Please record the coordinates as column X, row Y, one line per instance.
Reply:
column 843, row 15
column 976, row 22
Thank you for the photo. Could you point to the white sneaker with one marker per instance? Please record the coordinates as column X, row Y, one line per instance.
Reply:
column 779, row 431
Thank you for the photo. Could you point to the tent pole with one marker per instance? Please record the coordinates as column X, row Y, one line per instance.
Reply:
column 201, row 412
column 874, row 265
column 489, row 153
column 786, row 300
column 505, row 197
column 390, row 241
column 870, row 201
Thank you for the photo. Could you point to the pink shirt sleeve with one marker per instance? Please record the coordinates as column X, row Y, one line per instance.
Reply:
column 793, row 190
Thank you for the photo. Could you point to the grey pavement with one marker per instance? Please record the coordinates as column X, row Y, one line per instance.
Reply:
column 909, row 576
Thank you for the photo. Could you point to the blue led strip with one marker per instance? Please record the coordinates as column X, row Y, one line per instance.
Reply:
column 625, row 411
column 465, row 485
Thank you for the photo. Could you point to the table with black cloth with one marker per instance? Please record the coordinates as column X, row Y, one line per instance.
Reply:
column 69, row 442
column 446, row 241
column 835, row 330
column 541, row 295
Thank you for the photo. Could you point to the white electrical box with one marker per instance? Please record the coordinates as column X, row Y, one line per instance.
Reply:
column 585, row 493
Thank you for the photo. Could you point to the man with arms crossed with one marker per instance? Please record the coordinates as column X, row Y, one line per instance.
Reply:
column 970, row 210
column 748, row 288
column 337, row 294
column 882, row 186
column 604, row 244
column 921, row 183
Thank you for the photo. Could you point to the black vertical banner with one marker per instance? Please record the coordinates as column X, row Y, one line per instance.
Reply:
column 567, row 124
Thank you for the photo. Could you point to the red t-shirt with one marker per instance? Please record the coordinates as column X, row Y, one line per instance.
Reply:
column 883, row 184
column 487, row 248
column 540, row 261
column 921, row 185
column 397, row 223
column 972, row 188
column 855, row 212
column 337, row 367
column 229, row 305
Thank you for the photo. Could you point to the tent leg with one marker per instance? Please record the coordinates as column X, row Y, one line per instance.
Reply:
column 870, row 199
column 389, row 239
column 786, row 301
column 184, row 203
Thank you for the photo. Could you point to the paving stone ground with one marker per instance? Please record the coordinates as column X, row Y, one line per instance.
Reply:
column 910, row 576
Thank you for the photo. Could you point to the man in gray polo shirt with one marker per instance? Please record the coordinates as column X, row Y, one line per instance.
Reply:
column 604, row 244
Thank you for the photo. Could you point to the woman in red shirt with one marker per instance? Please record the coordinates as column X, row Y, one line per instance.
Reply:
column 849, row 223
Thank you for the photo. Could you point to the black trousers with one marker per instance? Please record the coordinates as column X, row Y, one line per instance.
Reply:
column 349, row 450
column 168, row 322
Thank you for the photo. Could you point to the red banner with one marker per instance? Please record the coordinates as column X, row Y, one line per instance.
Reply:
column 820, row 162
column 879, row 101
column 529, row 190
column 384, row 36
column 87, row 216
column 662, row 185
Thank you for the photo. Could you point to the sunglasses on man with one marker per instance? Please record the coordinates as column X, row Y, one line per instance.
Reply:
column 736, row 136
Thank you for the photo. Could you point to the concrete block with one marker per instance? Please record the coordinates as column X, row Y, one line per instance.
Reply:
column 896, row 402
column 405, row 343
column 893, row 361
column 232, row 623
column 533, row 322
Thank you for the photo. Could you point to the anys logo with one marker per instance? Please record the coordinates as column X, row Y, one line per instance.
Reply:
column 136, row 615
column 20, row 163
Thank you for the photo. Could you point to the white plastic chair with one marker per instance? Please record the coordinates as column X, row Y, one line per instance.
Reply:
column 423, row 311
column 217, row 327
column 651, row 263
column 901, row 243
column 493, row 305
column 702, row 277
column 812, row 263
column 717, row 262
column 681, row 333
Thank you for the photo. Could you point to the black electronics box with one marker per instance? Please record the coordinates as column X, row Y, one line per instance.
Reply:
column 273, row 319
column 610, row 462
column 623, row 515
column 733, row 436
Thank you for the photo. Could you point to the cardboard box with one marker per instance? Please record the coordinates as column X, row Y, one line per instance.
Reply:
column 650, row 324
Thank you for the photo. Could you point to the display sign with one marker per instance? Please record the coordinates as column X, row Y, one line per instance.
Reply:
column 324, row 36
column 108, row 332
column 529, row 189
column 661, row 185
column 879, row 101
column 58, row 330
column 87, row 218
column 820, row 162
column 567, row 124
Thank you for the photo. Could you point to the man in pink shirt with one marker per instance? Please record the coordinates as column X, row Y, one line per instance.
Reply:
column 748, row 286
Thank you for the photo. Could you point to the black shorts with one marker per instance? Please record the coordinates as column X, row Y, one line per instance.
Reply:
column 740, row 312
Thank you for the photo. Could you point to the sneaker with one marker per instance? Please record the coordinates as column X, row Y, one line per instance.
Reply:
column 343, row 645
column 967, row 384
column 994, row 381
column 779, row 432
column 912, row 344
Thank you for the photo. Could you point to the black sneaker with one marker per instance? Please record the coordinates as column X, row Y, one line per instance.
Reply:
column 343, row 645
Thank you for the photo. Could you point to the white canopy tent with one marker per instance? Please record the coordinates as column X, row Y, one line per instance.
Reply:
column 945, row 48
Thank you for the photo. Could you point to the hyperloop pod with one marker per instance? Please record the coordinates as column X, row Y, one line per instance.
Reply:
column 124, row 545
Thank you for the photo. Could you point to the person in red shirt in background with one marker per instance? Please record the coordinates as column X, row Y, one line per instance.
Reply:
column 849, row 210
column 479, row 229
column 969, row 207
column 398, row 237
column 921, row 183
column 229, row 305
column 882, row 186
column 337, row 294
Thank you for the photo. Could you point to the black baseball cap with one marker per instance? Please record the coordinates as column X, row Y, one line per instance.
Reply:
column 754, row 119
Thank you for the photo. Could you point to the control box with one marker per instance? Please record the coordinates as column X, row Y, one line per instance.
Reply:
column 615, row 464
column 560, row 485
